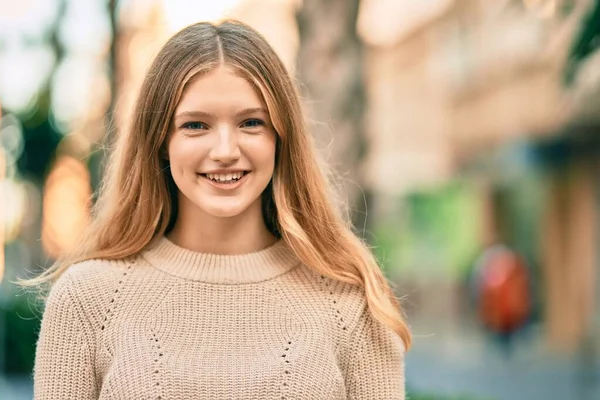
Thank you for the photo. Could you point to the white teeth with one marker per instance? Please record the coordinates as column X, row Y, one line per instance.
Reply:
column 225, row 177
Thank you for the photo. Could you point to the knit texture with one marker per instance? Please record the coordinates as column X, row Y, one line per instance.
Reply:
column 177, row 324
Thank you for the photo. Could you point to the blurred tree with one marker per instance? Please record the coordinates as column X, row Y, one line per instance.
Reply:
column 586, row 41
column 330, row 66
column 98, row 158
column 40, row 136
column 21, row 323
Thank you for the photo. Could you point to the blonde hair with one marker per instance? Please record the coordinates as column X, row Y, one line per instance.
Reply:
column 137, row 200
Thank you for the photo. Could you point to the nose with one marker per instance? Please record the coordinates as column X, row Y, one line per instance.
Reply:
column 226, row 148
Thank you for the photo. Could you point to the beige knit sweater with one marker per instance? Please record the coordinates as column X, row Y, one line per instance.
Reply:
column 177, row 324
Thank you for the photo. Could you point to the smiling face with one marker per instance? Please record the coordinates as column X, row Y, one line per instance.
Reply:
column 221, row 146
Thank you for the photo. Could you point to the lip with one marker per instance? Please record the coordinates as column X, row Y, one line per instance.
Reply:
column 225, row 186
column 225, row 171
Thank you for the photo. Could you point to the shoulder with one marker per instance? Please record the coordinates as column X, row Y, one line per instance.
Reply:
column 91, row 275
column 326, row 287
column 340, row 302
column 85, row 285
column 95, row 267
column 344, row 306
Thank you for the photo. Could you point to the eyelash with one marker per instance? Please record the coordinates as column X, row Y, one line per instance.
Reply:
column 260, row 122
column 188, row 125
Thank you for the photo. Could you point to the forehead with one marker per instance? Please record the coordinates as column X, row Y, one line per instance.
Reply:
column 221, row 88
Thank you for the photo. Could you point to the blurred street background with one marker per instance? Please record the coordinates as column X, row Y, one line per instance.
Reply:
column 466, row 136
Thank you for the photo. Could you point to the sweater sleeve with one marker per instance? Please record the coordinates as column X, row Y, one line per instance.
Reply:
column 64, row 361
column 375, row 368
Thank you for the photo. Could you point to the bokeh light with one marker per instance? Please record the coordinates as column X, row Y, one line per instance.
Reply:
column 180, row 13
column 2, row 206
column 75, row 91
column 86, row 28
column 25, row 17
column 66, row 205
column 11, row 136
column 20, row 81
column 14, row 203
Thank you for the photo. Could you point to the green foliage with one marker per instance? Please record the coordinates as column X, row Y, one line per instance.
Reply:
column 586, row 42
column 430, row 230
column 21, row 325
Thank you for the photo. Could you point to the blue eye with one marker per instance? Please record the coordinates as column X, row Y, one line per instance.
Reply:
column 253, row 123
column 193, row 125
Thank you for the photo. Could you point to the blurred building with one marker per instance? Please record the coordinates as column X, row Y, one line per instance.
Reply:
column 475, row 89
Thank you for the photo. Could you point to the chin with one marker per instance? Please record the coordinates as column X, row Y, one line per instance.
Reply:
column 223, row 210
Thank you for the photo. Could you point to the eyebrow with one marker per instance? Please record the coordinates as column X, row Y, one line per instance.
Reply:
column 202, row 114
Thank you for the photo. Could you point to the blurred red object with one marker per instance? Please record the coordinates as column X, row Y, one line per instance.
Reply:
column 503, row 290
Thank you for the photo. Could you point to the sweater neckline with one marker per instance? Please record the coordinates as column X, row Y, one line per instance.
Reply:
column 258, row 266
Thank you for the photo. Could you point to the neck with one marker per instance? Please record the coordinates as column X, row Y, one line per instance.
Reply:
column 252, row 267
column 241, row 234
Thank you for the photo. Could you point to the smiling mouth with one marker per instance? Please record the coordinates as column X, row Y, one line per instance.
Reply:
column 223, row 179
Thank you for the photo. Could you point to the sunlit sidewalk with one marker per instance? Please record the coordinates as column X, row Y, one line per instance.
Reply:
column 465, row 362
column 16, row 387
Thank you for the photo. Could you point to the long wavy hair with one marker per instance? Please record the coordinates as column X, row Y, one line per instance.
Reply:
column 138, row 198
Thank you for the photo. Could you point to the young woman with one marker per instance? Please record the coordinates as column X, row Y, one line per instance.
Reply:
column 216, row 266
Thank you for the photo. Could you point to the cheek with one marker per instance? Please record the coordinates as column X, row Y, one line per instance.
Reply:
column 263, row 153
column 183, row 154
